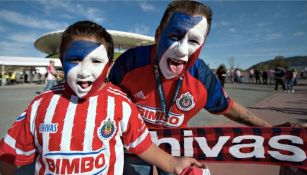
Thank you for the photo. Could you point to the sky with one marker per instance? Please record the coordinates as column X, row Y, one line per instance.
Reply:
column 242, row 32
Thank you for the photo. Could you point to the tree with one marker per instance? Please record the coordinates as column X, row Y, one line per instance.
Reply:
column 232, row 63
column 280, row 60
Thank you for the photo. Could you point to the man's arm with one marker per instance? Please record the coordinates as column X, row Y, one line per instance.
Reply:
column 241, row 115
column 156, row 156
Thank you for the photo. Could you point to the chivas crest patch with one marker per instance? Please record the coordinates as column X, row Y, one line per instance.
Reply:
column 185, row 102
column 106, row 130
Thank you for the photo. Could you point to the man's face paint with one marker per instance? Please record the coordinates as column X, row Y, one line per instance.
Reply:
column 85, row 65
column 182, row 36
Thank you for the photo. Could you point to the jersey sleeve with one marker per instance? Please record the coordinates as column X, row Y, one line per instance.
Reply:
column 17, row 146
column 218, row 101
column 136, row 136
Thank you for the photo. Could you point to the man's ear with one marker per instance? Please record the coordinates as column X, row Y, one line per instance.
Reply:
column 157, row 34
column 110, row 63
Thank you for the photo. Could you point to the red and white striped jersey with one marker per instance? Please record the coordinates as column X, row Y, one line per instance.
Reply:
column 67, row 135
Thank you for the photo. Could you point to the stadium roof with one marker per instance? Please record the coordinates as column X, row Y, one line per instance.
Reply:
column 27, row 61
column 49, row 42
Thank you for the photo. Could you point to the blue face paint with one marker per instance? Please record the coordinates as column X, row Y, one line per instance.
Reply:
column 77, row 51
column 177, row 27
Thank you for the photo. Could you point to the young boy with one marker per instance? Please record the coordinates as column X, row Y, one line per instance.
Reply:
column 82, row 126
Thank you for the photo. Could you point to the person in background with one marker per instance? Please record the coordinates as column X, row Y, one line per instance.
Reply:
column 238, row 76
column 82, row 125
column 13, row 77
column 221, row 73
column 289, row 78
column 169, row 81
column 60, row 76
column 7, row 76
column 302, row 75
column 279, row 74
column 294, row 77
column 251, row 74
column 257, row 76
column 25, row 75
column 265, row 76
column 271, row 76
column 51, row 76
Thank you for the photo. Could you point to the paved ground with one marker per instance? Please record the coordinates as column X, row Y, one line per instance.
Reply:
column 275, row 107
column 13, row 101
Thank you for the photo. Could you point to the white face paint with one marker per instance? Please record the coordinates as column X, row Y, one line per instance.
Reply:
column 82, row 76
column 181, row 40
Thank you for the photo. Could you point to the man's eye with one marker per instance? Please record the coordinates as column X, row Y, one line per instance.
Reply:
column 174, row 38
column 194, row 42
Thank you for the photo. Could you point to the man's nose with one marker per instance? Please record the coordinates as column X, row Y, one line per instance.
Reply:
column 182, row 48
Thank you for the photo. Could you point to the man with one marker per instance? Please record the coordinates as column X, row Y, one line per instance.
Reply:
column 168, row 77
column 167, row 80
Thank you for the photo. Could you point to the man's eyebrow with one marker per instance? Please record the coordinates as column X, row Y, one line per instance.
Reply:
column 96, row 57
column 196, row 35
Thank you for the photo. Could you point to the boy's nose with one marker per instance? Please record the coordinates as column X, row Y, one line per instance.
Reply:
column 84, row 72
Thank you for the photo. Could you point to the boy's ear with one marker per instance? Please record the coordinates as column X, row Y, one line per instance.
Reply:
column 157, row 34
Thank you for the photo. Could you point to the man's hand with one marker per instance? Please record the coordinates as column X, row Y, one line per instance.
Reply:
column 294, row 125
column 299, row 125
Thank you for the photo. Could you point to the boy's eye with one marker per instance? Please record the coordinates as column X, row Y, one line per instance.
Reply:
column 75, row 60
column 96, row 61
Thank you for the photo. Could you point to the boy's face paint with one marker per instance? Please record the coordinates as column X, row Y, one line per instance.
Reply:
column 85, row 65
column 182, row 36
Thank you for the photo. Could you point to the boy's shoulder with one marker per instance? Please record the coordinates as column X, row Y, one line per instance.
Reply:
column 57, row 89
column 117, row 92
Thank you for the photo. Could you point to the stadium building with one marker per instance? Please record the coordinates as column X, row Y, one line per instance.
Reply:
column 49, row 43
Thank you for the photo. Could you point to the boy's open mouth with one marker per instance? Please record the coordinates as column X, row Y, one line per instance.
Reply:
column 175, row 66
column 84, row 84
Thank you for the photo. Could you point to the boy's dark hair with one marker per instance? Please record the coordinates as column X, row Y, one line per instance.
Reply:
column 87, row 29
column 189, row 7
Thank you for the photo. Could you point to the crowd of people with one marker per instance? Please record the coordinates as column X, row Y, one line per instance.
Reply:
column 29, row 76
column 285, row 77
column 9, row 78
